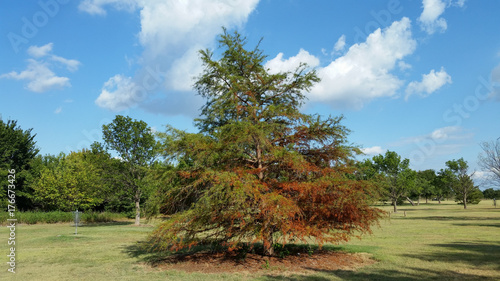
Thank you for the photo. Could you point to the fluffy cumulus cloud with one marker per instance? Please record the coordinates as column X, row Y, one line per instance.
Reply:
column 363, row 73
column 278, row 64
column 430, row 20
column 118, row 93
column 39, row 72
column 171, row 33
column 430, row 83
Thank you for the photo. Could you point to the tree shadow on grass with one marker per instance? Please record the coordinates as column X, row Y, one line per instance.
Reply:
column 478, row 224
column 454, row 218
column 144, row 252
column 96, row 224
column 395, row 275
column 478, row 254
column 416, row 274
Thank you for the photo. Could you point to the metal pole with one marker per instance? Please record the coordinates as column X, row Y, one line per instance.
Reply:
column 76, row 222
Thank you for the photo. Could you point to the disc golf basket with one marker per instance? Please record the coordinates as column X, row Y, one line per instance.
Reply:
column 77, row 220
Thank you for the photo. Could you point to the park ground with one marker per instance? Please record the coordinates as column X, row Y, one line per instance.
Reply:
column 427, row 242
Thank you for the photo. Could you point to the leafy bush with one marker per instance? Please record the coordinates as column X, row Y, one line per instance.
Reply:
column 59, row 217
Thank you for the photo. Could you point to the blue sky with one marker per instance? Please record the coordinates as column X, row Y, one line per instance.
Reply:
column 421, row 78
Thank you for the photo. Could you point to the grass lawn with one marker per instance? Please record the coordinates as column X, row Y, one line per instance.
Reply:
column 433, row 242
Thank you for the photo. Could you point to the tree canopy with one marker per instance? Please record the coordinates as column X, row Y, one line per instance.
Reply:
column 17, row 151
column 259, row 169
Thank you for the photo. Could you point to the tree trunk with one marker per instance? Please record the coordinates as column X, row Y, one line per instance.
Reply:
column 259, row 161
column 465, row 200
column 137, row 199
column 395, row 207
column 409, row 200
column 418, row 202
column 269, row 245
column 426, row 200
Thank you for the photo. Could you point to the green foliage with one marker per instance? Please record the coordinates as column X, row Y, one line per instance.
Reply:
column 398, row 179
column 70, row 182
column 137, row 148
column 34, row 217
column 281, row 250
column 426, row 183
column 461, row 183
column 491, row 193
column 17, row 151
column 132, row 139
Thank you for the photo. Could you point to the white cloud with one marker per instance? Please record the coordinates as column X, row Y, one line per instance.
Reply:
column 40, row 77
column 494, row 88
column 58, row 110
column 71, row 65
column 184, row 69
column 430, row 83
column 278, row 64
column 439, row 135
column 403, row 65
column 436, row 147
column 460, row 3
column 340, row 44
column 42, row 51
column 169, row 32
column 374, row 150
column 95, row 7
column 430, row 20
column 119, row 93
column 363, row 73
column 39, row 73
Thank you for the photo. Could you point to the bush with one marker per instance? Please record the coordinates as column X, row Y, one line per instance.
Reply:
column 60, row 217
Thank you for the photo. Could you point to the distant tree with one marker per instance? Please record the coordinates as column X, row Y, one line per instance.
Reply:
column 461, row 182
column 137, row 148
column 425, row 181
column 400, row 179
column 69, row 182
column 17, row 151
column 259, row 169
column 490, row 160
column 491, row 193
column 443, row 184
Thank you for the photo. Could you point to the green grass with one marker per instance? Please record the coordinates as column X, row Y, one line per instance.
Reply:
column 433, row 242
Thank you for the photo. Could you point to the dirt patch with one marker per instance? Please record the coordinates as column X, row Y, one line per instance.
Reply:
column 258, row 264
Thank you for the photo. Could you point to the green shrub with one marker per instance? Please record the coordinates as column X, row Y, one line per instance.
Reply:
column 35, row 217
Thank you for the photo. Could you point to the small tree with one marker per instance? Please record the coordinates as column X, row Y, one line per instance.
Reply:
column 461, row 183
column 137, row 148
column 400, row 179
column 259, row 169
column 490, row 160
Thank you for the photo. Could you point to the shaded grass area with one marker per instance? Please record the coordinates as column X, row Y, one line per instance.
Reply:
column 433, row 242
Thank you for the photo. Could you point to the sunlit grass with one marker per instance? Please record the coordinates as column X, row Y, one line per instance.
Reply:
column 433, row 242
